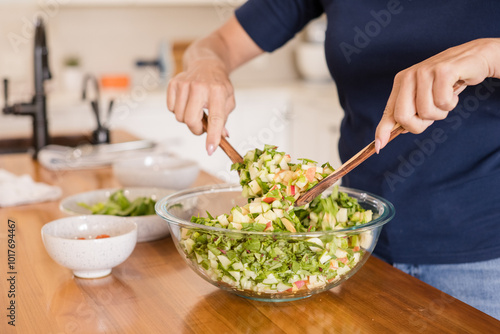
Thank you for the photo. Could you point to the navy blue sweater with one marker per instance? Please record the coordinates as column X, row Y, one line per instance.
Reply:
column 444, row 182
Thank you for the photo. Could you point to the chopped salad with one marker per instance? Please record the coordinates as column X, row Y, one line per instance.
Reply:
column 276, row 263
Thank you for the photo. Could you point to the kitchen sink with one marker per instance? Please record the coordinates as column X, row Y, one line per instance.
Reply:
column 23, row 145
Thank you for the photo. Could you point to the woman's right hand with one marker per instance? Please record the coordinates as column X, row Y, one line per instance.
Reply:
column 203, row 85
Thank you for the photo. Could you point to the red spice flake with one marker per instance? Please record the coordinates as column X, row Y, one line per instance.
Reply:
column 102, row 236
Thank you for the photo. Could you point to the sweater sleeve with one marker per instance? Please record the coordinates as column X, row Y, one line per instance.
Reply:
column 272, row 23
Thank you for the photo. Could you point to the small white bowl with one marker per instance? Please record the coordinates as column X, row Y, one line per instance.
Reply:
column 90, row 258
column 149, row 228
column 156, row 170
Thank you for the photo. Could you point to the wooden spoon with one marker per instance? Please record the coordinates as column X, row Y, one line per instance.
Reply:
column 349, row 165
column 224, row 144
column 361, row 156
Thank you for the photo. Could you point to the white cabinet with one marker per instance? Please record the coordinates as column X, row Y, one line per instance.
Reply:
column 316, row 120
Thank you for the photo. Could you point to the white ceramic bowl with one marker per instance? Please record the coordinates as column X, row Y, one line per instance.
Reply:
column 156, row 170
column 90, row 258
column 149, row 227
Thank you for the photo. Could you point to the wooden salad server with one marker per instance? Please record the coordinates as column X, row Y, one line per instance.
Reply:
column 224, row 144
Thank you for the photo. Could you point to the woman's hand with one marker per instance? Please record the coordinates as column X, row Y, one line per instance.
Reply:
column 205, row 84
column 428, row 91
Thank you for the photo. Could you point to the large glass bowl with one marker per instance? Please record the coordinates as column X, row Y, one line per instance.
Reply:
column 355, row 245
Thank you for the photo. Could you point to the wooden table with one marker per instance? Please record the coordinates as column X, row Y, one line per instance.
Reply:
column 154, row 291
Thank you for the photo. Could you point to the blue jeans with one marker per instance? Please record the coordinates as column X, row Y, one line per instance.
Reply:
column 476, row 283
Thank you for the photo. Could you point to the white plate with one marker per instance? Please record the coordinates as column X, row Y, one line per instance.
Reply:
column 149, row 228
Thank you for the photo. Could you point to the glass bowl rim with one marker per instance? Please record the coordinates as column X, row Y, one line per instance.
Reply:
column 161, row 210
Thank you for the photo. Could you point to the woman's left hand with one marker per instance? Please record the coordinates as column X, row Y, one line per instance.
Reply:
column 428, row 91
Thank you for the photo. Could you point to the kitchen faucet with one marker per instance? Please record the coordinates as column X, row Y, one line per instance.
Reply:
column 37, row 108
column 101, row 135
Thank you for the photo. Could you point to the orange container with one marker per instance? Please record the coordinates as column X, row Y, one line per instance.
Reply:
column 115, row 81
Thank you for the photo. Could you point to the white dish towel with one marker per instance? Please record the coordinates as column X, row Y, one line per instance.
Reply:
column 19, row 190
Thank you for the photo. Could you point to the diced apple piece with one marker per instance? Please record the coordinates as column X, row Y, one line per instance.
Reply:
column 237, row 216
column 356, row 257
column 270, row 215
column 249, row 274
column 265, row 206
column 368, row 216
column 288, row 225
column 282, row 287
column 250, row 155
column 255, row 207
column 199, row 259
column 245, row 283
column 339, row 253
column 343, row 270
column 279, row 212
column 228, row 281
column 269, row 227
column 299, row 284
column 356, row 217
column 236, row 226
column 223, row 220
column 310, row 174
column 265, row 157
column 269, row 199
column 301, row 182
column 287, row 176
column 224, row 261
column 366, row 240
column 277, row 205
column 325, row 257
column 238, row 266
column 334, row 264
column 318, row 242
column 342, row 215
column 261, row 220
column 236, row 275
column 189, row 243
column 270, row 279
column 184, row 233
column 254, row 186
column 284, row 164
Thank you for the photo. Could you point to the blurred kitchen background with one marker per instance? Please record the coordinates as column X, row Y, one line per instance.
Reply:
column 133, row 47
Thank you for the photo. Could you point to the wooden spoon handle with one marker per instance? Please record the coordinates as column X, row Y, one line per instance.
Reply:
column 224, row 144
column 349, row 165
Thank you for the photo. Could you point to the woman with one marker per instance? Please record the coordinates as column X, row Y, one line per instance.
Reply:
column 393, row 62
